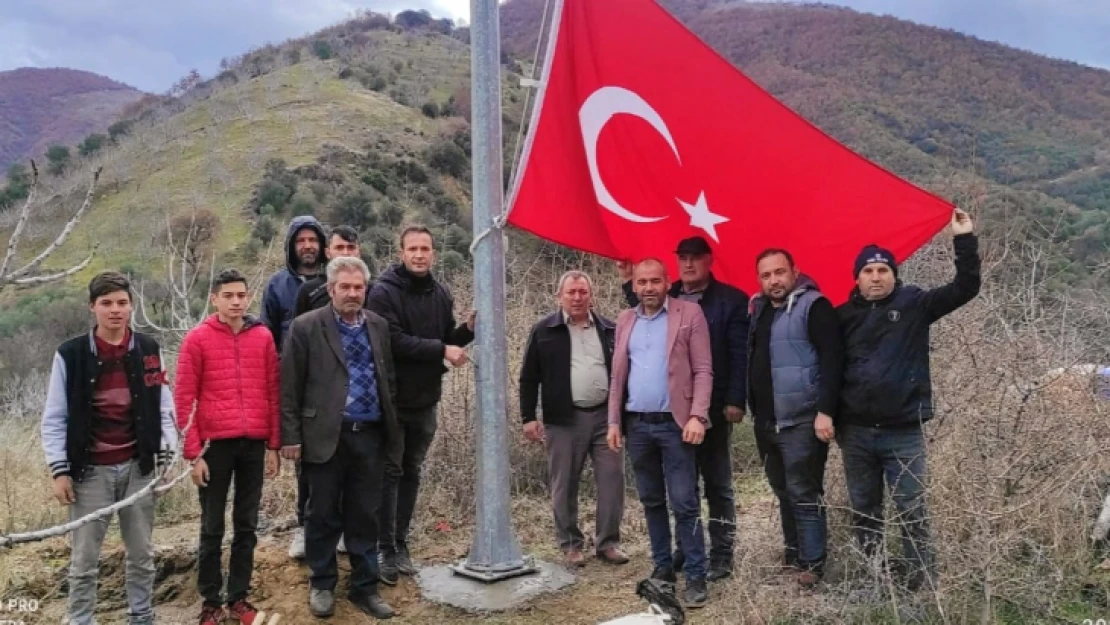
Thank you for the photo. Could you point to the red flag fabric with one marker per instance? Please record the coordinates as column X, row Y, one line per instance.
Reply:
column 643, row 135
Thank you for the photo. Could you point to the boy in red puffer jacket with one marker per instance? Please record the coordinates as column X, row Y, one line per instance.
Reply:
column 228, row 371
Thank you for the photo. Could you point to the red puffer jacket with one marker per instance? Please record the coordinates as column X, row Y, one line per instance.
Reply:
column 233, row 380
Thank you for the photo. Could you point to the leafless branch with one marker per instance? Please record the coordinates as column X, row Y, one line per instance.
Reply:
column 20, row 276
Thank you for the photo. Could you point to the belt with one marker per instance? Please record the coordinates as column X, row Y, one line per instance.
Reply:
column 358, row 426
column 652, row 417
column 592, row 408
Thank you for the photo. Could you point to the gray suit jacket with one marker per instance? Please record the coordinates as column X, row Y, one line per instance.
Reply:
column 314, row 381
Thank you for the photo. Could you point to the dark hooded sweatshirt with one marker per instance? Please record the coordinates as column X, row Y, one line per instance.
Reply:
column 281, row 291
column 421, row 317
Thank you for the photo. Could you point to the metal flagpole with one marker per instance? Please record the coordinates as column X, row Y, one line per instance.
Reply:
column 495, row 553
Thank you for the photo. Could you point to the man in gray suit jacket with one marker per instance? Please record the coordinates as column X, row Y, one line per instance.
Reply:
column 338, row 419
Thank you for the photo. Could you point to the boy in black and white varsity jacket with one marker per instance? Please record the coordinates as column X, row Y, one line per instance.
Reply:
column 107, row 424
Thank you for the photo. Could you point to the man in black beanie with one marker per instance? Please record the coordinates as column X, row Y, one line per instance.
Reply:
column 887, row 394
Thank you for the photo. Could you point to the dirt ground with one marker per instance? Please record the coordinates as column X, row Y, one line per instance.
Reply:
column 280, row 585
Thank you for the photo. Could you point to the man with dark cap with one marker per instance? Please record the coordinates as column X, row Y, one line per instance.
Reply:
column 887, row 394
column 726, row 309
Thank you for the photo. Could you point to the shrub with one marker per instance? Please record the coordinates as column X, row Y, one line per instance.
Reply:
column 430, row 109
column 322, row 49
column 264, row 229
column 58, row 159
column 120, row 128
column 355, row 208
column 447, row 157
column 92, row 144
column 378, row 84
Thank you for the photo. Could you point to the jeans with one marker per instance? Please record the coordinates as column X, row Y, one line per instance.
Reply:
column 568, row 446
column 897, row 454
column 101, row 487
column 666, row 468
column 794, row 461
column 344, row 496
column 243, row 461
column 402, row 483
column 715, row 469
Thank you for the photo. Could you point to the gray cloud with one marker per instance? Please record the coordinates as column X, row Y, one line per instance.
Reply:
column 151, row 43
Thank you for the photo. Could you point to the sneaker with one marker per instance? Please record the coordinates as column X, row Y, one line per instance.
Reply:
column 321, row 602
column 404, row 562
column 243, row 612
column 387, row 568
column 342, row 546
column 296, row 548
column 212, row 615
column 372, row 604
column 696, row 594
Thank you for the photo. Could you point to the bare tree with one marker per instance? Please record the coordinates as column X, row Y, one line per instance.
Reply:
column 27, row 274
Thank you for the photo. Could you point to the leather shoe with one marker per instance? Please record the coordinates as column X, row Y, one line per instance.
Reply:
column 321, row 602
column 696, row 594
column 664, row 574
column 718, row 571
column 574, row 558
column 372, row 604
column 808, row 579
column 387, row 569
column 612, row 555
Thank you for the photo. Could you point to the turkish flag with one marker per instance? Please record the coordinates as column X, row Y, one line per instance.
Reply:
column 643, row 136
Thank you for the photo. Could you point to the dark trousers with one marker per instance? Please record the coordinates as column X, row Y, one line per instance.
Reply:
column 344, row 496
column 794, row 461
column 898, row 455
column 302, row 494
column 243, row 461
column 715, row 470
column 666, row 468
column 568, row 446
column 402, row 483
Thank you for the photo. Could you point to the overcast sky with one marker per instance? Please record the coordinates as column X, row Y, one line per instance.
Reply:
column 151, row 43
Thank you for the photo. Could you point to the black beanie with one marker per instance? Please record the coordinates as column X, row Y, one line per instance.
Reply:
column 875, row 254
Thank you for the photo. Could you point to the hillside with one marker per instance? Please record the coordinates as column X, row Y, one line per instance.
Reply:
column 366, row 123
column 43, row 107
column 942, row 109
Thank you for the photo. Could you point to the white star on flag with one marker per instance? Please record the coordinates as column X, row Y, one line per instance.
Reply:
column 702, row 217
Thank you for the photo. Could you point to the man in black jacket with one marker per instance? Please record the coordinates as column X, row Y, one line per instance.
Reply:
column 887, row 393
column 568, row 360
column 423, row 333
column 726, row 310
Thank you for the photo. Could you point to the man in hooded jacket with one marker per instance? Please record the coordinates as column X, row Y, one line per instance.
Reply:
column 304, row 252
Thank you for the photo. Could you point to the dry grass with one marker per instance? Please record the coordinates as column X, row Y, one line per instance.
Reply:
column 1015, row 483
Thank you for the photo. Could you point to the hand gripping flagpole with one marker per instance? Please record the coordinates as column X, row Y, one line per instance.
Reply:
column 495, row 553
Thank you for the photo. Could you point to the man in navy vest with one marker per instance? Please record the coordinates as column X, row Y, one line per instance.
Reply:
column 887, row 393
column 726, row 310
column 795, row 358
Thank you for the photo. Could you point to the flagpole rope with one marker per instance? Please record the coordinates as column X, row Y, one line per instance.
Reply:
column 522, row 142
column 528, row 93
